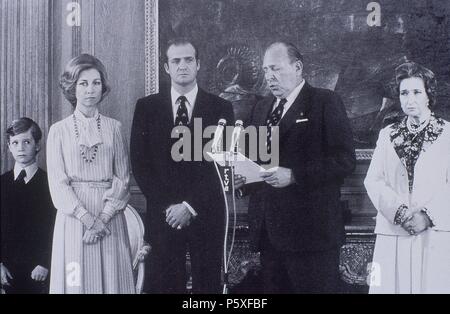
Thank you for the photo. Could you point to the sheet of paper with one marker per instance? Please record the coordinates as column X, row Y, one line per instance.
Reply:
column 242, row 166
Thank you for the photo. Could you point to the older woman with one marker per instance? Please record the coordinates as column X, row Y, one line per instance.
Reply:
column 409, row 184
column 88, row 174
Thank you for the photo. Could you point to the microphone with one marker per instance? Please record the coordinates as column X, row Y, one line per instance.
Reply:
column 216, row 144
column 238, row 127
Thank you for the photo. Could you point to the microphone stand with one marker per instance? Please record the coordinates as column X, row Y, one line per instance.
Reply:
column 228, row 158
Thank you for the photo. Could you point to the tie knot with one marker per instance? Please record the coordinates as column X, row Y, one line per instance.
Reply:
column 182, row 100
column 282, row 102
column 21, row 176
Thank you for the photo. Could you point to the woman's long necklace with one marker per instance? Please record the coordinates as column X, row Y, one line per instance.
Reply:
column 87, row 154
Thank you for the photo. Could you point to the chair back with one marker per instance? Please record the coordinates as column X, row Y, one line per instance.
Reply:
column 136, row 231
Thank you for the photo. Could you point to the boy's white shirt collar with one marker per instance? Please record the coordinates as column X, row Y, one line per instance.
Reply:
column 191, row 97
column 30, row 171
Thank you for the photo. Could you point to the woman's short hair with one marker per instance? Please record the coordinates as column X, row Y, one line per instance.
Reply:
column 22, row 125
column 72, row 72
column 412, row 69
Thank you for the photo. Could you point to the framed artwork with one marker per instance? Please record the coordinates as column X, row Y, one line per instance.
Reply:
column 351, row 48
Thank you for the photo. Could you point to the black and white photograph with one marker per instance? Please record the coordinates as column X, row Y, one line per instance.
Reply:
column 225, row 147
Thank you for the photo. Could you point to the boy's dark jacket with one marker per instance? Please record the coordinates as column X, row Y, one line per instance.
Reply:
column 27, row 220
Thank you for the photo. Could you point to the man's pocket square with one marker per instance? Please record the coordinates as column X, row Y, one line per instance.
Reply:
column 301, row 120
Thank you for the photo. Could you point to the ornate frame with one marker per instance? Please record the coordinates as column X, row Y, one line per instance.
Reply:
column 151, row 47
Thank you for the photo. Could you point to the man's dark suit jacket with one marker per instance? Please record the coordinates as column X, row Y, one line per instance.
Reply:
column 305, row 216
column 27, row 220
column 165, row 182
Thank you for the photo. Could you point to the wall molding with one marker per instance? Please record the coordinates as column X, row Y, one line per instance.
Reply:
column 76, row 37
column 92, row 27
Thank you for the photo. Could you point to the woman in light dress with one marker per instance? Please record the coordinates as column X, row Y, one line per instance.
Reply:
column 88, row 172
column 409, row 184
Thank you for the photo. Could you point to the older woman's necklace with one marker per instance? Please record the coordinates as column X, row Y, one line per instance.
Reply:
column 416, row 128
column 87, row 153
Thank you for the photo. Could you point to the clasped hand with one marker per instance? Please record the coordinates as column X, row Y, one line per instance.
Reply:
column 178, row 216
column 417, row 222
column 97, row 232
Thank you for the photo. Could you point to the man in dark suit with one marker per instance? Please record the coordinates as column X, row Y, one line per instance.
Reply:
column 295, row 218
column 27, row 214
column 184, row 201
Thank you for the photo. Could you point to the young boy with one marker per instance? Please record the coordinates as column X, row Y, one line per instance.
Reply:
column 27, row 214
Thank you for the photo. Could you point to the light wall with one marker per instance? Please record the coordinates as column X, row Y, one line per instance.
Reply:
column 35, row 44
